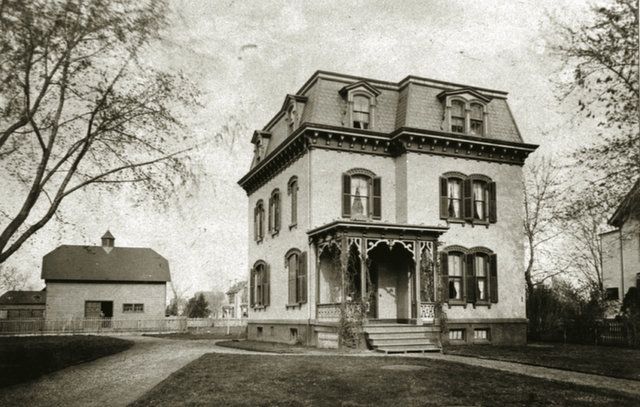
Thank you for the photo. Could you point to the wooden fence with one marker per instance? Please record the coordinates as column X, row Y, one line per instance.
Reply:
column 617, row 333
column 110, row 325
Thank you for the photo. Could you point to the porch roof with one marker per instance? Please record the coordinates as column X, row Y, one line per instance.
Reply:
column 378, row 229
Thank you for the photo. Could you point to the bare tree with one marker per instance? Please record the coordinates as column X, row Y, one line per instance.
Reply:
column 12, row 279
column 78, row 107
column 603, row 55
column 541, row 186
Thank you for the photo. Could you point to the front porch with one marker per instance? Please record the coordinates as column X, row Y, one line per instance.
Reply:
column 385, row 272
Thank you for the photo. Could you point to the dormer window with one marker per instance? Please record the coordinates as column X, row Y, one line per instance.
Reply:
column 465, row 111
column 361, row 100
column 457, row 116
column 476, row 119
column 361, row 111
column 291, row 118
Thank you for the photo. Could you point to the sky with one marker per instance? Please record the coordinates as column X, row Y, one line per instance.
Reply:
column 245, row 56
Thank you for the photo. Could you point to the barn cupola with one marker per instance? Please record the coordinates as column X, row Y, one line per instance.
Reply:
column 108, row 241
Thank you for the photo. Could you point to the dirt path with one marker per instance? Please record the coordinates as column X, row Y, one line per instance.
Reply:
column 115, row 380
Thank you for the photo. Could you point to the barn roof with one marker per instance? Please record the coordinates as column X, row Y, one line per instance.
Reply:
column 23, row 298
column 93, row 263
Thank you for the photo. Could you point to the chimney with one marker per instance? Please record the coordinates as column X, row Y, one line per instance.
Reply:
column 108, row 241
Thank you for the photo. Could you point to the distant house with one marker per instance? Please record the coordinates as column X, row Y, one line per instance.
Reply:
column 237, row 305
column 621, row 247
column 105, row 281
column 22, row 304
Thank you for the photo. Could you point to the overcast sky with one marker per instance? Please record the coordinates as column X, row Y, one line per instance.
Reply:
column 246, row 55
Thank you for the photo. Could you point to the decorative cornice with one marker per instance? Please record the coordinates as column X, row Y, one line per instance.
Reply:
column 310, row 136
column 371, row 89
column 376, row 229
column 470, row 91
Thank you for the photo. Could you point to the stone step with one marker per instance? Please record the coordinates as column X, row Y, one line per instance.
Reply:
column 397, row 335
column 408, row 348
column 391, row 329
column 379, row 343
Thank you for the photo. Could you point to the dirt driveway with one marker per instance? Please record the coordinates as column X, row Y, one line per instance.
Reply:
column 115, row 380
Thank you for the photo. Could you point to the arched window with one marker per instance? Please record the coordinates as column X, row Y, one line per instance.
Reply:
column 471, row 275
column 468, row 198
column 476, row 119
column 296, row 266
column 274, row 212
column 292, row 190
column 361, row 112
column 361, row 195
column 457, row 116
column 259, row 285
column 258, row 221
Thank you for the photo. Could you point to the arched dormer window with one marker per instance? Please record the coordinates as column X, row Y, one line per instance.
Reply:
column 476, row 119
column 291, row 118
column 258, row 221
column 292, row 190
column 361, row 100
column 274, row 212
column 457, row 116
column 361, row 195
column 361, row 112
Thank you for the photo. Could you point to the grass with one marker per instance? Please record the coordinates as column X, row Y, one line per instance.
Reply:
column 602, row 360
column 233, row 380
column 25, row 358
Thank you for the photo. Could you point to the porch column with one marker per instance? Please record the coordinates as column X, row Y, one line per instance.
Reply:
column 416, row 288
column 364, row 271
column 344, row 260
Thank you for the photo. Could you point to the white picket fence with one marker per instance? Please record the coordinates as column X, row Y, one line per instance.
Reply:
column 111, row 325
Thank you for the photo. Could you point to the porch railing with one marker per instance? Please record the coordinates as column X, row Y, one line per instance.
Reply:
column 328, row 312
column 428, row 312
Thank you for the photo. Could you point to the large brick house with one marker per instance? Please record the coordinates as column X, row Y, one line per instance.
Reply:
column 360, row 188
column 621, row 247
column 105, row 282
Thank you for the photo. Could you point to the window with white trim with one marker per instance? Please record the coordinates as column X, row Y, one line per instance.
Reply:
column 470, row 198
column 361, row 112
column 361, row 195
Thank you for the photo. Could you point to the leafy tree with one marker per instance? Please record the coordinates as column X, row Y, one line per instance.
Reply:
column 79, row 106
column 603, row 56
column 197, row 307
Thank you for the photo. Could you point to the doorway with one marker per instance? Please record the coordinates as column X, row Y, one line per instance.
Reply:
column 391, row 271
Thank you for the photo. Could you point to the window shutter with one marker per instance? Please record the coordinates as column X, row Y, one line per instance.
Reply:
column 346, row 195
column 265, row 286
column 302, row 270
column 292, row 281
column 444, row 198
column 493, row 277
column 270, row 224
column 255, row 223
column 467, row 200
column 444, row 274
column 470, row 278
column 252, row 289
column 377, row 198
column 276, row 210
column 493, row 210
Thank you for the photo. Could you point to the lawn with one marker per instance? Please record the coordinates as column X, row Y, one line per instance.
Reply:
column 25, row 358
column 291, row 380
column 603, row 360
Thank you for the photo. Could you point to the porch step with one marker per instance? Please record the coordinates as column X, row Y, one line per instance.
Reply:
column 401, row 342
column 408, row 348
column 402, row 338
